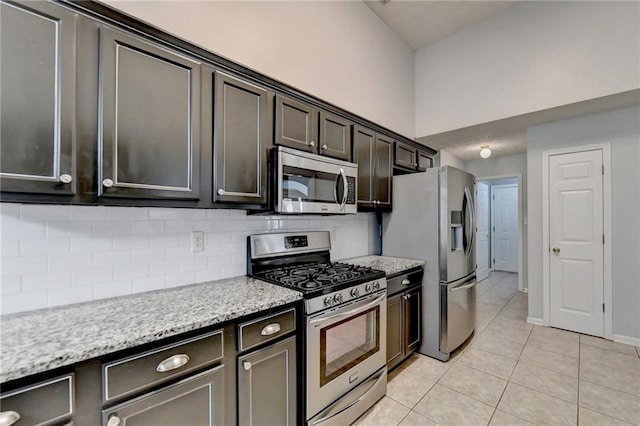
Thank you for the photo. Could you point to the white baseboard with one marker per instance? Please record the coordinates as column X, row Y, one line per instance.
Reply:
column 626, row 340
column 535, row 321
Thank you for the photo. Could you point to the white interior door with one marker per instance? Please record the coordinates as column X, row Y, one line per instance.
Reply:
column 576, row 252
column 504, row 218
column 482, row 232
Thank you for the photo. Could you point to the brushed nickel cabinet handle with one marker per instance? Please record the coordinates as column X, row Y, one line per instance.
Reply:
column 107, row 183
column 172, row 363
column 7, row 418
column 312, row 143
column 405, row 282
column 65, row 178
column 246, row 365
column 221, row 191
column 270, row 329
column 324, row 146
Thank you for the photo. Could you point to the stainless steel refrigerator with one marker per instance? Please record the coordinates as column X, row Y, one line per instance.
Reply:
column 433, row 219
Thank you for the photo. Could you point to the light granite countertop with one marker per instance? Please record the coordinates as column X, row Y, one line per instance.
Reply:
column 390, row 265
column 38, row 341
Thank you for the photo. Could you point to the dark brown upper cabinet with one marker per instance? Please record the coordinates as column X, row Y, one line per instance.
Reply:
column 335, row 136
column 149, row 131
column 301, row 126
column 242, row 139
column 425, row 161
column 37, row 96
column 296, row 124
column 405, row 156
column 373, row 154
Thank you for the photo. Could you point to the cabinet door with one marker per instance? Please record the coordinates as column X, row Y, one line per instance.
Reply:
column 335, row 136
column 196, row 401
column 242, row 138
column 149, row 139
column 363, row 143
column 267, row 385
column 424, row 161
column 296, row 124
column 404, row 156
column 395, row 323
column 383, row 171
column 412, row 320
column 37, row 97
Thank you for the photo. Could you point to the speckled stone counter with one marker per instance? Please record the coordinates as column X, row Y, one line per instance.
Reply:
column 390, row 265
column 38, row 341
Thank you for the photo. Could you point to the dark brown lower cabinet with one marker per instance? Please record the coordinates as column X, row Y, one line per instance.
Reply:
column 198, row 400
column 267, row 385
column 403, row 325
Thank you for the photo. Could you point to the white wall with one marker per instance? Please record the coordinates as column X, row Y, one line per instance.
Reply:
column 57, row 255
column 529, row 57
column 444, row 158
column 621, row 128
column 339, row 51
column 508, row 166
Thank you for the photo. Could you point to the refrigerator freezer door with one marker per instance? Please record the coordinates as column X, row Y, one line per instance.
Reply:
column 457, row 224
column 457, row 312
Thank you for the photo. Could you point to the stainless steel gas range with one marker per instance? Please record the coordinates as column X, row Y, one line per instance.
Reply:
column 345, row 318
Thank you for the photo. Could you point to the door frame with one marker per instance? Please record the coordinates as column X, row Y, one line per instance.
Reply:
column 518, row 176
column 493, row 241
column 606, row 200
column 488, row 213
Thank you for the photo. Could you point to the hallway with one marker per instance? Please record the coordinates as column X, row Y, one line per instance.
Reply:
column 514, row 373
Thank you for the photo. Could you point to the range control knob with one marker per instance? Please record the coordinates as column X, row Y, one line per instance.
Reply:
column 376, row 285
column 328, row 301
column 338, row 298
column 355, row 292
column 368, row 288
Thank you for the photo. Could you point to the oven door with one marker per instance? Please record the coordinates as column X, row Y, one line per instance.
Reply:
column 345, row 345
column 312, row 184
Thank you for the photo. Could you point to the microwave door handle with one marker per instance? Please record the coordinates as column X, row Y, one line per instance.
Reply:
column 335, row 189
column 345, row 188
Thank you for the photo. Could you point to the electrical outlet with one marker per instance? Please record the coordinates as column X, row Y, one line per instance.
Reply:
column 334, row 232
column 197, row 241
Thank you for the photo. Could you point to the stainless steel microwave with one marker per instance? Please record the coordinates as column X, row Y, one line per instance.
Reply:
column 310, row 183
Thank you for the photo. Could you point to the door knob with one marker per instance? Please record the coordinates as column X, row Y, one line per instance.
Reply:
column 556, row 250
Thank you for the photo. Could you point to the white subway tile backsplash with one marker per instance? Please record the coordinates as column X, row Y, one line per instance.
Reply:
column 24, row 265
column 70, row 262
column 48, row 281
column 56, row 255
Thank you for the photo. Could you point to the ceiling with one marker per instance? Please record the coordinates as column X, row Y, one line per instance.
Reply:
column 423, row 22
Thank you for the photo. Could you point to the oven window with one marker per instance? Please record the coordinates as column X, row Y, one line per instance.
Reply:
column 347, row 343
column 308, row 185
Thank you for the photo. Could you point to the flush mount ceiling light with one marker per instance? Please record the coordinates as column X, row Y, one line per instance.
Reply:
column 485, row 152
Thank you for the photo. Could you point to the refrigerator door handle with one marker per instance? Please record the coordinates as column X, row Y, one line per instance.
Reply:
column 472, row 233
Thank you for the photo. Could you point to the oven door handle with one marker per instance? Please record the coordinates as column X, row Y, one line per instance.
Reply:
column 325, row 318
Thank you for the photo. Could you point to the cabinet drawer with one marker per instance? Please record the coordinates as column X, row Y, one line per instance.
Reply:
column 264, row 329
column 138, row 372
column 43, row 403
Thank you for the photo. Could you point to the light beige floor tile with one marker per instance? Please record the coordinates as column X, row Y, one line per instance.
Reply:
column 385, row 412
column 553, row 361
column 426, row 366
column 537, row 407
column 546, row 381
column 554, row 340
column 516, row 324
column 407, row 387
column 619, row 405
column 608, row 345
column 491, row 343
column 415, row 419
column 476, row 384
column 515, row 314
column 500, row 329
column 500, row 418
column 488, row 362
column 448, row 407
column 588, row 417
column 621, row 379
column 609, row 358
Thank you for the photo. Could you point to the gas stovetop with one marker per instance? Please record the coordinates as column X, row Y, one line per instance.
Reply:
column 320, row 278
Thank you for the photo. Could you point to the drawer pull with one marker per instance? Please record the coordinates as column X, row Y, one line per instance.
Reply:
column 246, row 365
column 7, row 418
column 173, row 362
column 270, row 329
column 405, row 282
column 113, row 421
